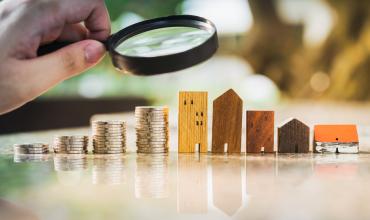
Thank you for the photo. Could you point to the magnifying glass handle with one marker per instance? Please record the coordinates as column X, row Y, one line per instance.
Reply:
column 52, row 47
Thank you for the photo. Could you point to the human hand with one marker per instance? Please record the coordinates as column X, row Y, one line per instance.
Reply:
column 27, row 24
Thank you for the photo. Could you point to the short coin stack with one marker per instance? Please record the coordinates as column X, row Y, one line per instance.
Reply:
column 109, row 137
column 71, row 144
column 152, row 131
column 36, row 148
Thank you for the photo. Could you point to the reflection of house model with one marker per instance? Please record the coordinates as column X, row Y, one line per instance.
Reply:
column 293, row 137
column 227, row 123
column 260, row 131
column 193, row 122
column 336, row 139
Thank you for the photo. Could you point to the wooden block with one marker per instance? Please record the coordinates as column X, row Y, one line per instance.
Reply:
column 193, row 122
column 336, row 139
column 260, row 131
column 293, row 137
column 192, row 184
column 227, row 123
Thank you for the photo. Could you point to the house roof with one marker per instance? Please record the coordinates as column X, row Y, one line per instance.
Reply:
column 336, row 133
column 290, row 120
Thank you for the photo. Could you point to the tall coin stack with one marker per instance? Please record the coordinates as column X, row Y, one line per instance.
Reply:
column 109, row 137
column 71, row 144
column 152, row 131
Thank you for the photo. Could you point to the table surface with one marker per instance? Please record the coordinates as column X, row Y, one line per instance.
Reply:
column 182, row 186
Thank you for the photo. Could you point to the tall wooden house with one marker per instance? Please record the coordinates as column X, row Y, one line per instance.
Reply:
column 260, row 131
column 192, row 122
column 336, row 139
column 227, row 123
column 293, row 137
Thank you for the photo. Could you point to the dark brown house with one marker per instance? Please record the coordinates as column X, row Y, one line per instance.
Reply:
column 293, row 137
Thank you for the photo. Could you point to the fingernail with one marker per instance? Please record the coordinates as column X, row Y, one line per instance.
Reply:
column 93, row 52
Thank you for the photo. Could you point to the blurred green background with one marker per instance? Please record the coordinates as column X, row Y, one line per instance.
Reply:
column 270, row 50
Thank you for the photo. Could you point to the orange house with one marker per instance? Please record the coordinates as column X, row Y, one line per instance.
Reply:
column 336, row 139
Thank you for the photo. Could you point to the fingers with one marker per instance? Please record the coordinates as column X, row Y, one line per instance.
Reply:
column 46, row 71
column 73, row 33
column 93, row 13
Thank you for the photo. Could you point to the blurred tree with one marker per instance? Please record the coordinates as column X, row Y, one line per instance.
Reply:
column 145, row 8
column 275, row 48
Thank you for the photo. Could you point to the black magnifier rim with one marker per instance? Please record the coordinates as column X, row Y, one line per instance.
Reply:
column 167, row 63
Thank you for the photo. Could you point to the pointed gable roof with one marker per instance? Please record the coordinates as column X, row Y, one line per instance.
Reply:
column 289, row 121
column 227, row 95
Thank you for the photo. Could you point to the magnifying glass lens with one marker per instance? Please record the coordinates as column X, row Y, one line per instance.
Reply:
column 163, row 41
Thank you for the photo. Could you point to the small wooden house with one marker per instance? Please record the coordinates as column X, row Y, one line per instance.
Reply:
column 193, row 122
column 293, row 137
column 336, row 139
column 227, row 123
column 260, row 131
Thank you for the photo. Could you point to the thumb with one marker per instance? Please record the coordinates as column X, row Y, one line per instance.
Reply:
column 46, row 71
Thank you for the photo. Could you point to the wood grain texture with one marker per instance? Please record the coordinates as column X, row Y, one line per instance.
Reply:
column 260, row 131
column 193, row 122
column 192, row 184
column 293, row 137
column 227, row 123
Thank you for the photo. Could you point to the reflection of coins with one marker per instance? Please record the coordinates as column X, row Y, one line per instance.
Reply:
column 109, row 137
column 70, row 162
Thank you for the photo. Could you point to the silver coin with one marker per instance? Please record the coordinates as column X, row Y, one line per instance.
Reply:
column 109, row 137
column 100, row 135
column 151, row 152
column 110, row 147
column 150, row 136
column 152, row 147
column 71, row 138
column 152, row 130
column 109, row 129
column 109, row 152
column 105, row 141
column 155, row 132
column 153, row 141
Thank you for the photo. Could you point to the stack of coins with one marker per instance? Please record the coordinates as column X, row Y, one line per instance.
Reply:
column 71, row 144
column 36, row 148
column 109, row 137
column 152, row 131
column 70, row 162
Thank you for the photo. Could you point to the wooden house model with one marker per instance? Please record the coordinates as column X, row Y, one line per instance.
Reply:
column 227, row 123
column 293, row 137
column 192, row 122
column 336, row 139
column 260, row 131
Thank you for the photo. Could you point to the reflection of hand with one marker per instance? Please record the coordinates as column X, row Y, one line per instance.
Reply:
column 27, row 24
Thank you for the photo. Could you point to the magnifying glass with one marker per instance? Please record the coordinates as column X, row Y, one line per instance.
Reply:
column 160, row 45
